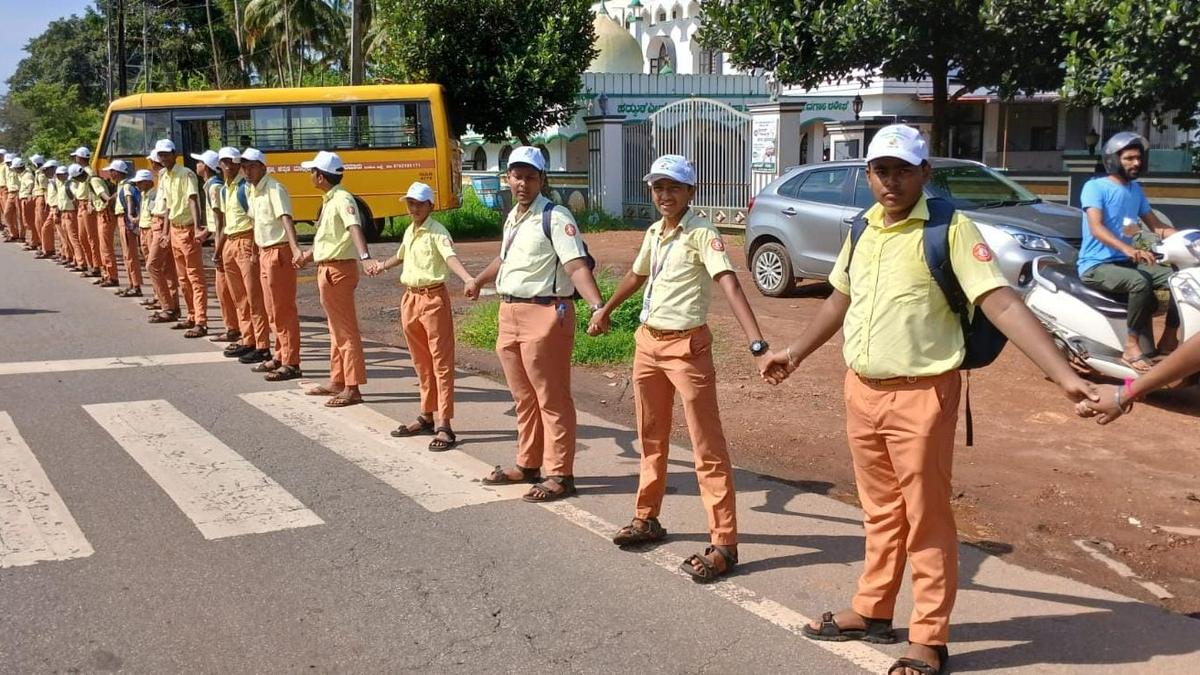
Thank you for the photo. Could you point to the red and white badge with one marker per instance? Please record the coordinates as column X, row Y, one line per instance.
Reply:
column 981, row 252
column 570, row 230
column 350, row 209
column 717, row 245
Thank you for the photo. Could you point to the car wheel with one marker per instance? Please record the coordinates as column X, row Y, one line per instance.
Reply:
column 771, row 267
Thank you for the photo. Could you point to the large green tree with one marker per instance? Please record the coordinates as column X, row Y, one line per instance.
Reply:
column 1013, row 46
column 508, row 66
column 1133, row 57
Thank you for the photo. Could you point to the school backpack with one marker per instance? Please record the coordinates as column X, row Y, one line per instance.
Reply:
column 587, row 256
column 982, row 340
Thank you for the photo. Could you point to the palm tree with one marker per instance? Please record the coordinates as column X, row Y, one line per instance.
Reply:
column 296, row 33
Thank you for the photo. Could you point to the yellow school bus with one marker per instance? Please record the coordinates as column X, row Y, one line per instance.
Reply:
column 387, row 135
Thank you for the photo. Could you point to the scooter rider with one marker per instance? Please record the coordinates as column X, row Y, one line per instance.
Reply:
column 1108, row 260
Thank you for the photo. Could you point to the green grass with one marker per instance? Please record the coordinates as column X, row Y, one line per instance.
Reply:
column 598, row 220
column 480, row 328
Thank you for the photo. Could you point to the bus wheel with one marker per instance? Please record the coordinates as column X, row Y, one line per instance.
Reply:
column 372, row 228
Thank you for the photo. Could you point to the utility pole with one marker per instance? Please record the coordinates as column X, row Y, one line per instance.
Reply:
column 108, row 44
column 146, row 44
column 123, row 71
column 357, row 27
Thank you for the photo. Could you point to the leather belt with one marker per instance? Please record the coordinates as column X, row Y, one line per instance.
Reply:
column 539, row 300
column 890, row 381
column 671, row 334
column 279, row 245
column 433, row 289
column 240, row 235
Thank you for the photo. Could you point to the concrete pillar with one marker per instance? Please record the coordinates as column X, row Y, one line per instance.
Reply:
column 775, row 135
column 606, row 162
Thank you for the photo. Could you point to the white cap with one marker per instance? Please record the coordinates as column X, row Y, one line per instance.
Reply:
column 62, row 170
column 9, row 157
column 209, row 157
column 18, row 163
column 420, row 192
column 143, row 174
column 153, row 158
column 37, row 160
column 74, row 170
column 254, row 155
column 675, row 167
column 118, row 165
column 228, row 152
column 326, row 161
column 50, row 164
column 163, row 145
column 525, row 154
column 3, row 152
column 900, row 141
column 82, row 151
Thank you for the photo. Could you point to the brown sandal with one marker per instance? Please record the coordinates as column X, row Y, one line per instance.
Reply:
column 640, row 532
column 184, row 325
column 321, row 390
column 441, row 444
column 709, row 571
column 283, row 373
column 268, row 366
column 423, row 425
column 198, row 331
column 500, row 476
column 163, row 316
column 340, row 401
column 541, row 493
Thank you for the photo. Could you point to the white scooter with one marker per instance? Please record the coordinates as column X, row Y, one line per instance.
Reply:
column 1089, row 325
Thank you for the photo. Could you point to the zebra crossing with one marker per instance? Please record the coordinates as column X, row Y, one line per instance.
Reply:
column 221, row 492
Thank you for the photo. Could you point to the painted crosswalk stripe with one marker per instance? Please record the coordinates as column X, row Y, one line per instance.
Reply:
column 35, row 524
column 111, row 362
column 219, row 490
column 436, row 481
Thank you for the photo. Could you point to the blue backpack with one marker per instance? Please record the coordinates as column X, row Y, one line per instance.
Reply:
column 982, row 340
column 587, row 256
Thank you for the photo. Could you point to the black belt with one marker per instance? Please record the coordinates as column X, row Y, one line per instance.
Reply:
column 537, row 300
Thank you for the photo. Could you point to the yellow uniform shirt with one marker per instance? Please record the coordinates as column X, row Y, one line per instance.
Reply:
column 679, row 271
column 12, row 180
column 339, row 213
column 158, row 205
column 213, row 202
column 531, row 263
column 80, row 189
column 424, row 251
column 177, row 187
column 4, row 175
column 269, row 203
column 39, row 184
column 899, row 323
column 119, row 200
column 149, row 198
column 98, row 187
column 52, row 193
column 237, row 220
column 25, row 185
column 66, row 195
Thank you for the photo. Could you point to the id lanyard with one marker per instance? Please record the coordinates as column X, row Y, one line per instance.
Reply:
column 657, row 264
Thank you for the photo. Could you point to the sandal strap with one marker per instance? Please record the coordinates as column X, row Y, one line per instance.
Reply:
column 731, row 559
column 914, row 664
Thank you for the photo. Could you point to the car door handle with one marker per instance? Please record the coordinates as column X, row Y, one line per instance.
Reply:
column 789, row 211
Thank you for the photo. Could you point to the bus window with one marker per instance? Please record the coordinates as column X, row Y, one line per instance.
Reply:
column 239, row 130
column 158, row 125
column 270, row 128
column 127, row 137
column 395, row 125
column 339, row 127
column 320, row 127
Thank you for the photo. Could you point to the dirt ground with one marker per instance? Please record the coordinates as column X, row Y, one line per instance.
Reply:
column 1038, row 486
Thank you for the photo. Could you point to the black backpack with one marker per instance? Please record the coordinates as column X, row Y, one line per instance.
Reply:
column 587, row 256
column 982, row 340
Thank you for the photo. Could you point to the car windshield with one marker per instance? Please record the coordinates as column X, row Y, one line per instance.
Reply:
column 977, row 187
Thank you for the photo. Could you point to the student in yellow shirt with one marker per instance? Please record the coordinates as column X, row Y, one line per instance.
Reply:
column 69, row 215
column 208, row 171
column 427, row 253
column 42, row 207
column 33, row 237
column 85, row 221
column 103, row 205
column 680, row 258
column 338, row 249
column 12, row 205
column 180, row 195
column 904, row 345
column 127, row 207
column 536, row 274
column 50, row 235
column 160, row 261
column 238, row 257
column 4, row 222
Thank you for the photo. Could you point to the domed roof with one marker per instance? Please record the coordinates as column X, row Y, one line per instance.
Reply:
column 619, row 52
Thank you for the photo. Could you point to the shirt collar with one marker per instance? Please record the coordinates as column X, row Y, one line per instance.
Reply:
column 919, row 212
column 331, row 193
column 690, row 221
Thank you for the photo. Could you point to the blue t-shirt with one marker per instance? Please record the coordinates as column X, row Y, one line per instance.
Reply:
column 1122, row 206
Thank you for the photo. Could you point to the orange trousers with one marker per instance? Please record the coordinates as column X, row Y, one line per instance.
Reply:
column 534, row 346
column 239, row 257
column 336, row 281
column 4, row 212
column 107, row 231
column 145, row 238
column 64, row 242
column 189, row 268
column 33, row 234
column 12, row 217
column 43, row 221
column 89, row 237
column 428, row 329
column 71, row 230
column 902, row 444
column 685, row 365
column 161, row 264
column 278, row 278
column 225, row 301
column 130, row 254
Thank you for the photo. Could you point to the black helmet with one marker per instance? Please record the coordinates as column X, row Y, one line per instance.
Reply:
column 1119, row 143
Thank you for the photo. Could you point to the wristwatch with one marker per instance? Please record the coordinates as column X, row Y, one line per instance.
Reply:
column 364, row 256
column 759, row 347
column 596, row 307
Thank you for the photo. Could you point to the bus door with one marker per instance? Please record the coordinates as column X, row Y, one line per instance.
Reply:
column 198, row 130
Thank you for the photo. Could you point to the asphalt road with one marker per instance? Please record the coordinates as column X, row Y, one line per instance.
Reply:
column 165, row 510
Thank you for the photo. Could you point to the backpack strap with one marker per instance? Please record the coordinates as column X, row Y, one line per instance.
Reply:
column 546, row 212
column 858, row 225
column 243, row 200
column 937, row 255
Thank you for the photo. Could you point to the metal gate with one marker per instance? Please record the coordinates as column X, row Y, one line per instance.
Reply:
column 714, row 136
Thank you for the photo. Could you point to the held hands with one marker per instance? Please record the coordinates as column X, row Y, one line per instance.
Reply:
column 1106, row 409
column 471, row 289
column 599, row 323
column 372, row 268
column 201, row 235
column 299, row 258
column 776, row 366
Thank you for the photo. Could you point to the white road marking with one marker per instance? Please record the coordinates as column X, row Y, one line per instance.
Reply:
column 1124, row 571
column 219, row 490
column 860, row 654
column 35, row 524
column 109, row 363
column 437, row 481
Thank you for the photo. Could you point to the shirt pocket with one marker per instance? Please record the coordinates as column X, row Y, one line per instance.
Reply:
column 908, row 282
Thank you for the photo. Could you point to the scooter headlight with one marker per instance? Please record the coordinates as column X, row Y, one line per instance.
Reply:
column 1189, row 290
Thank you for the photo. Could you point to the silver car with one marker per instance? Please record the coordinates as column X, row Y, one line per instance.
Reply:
column 798, row 222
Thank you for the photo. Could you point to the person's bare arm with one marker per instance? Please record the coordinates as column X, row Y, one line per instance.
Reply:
column 487, row 276
column 585, row 283
column 458, row 269
column 778, row 364
column 1113, row 401
column 599, row 323
column 1157, row 225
